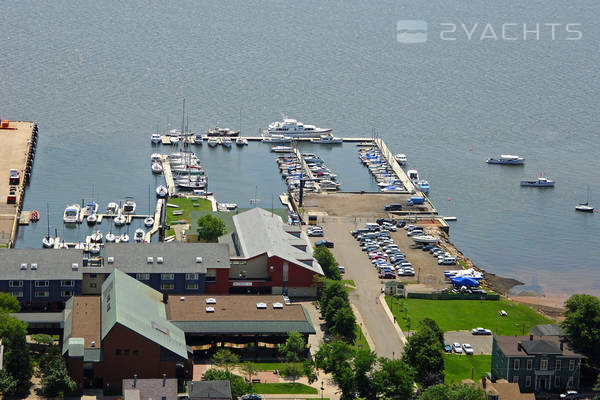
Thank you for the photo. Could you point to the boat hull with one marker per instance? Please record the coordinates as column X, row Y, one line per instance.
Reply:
column 537, row 184
column 505, row 162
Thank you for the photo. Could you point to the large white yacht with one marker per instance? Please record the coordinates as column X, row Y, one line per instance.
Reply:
column 292, row 128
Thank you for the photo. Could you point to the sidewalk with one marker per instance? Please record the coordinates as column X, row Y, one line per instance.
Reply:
column 363, row 327
column 391, row 317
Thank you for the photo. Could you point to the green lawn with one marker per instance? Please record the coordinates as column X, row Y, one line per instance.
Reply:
column 186, row 205
column 283, row 388
column 269, row 366
column 457, row 367
column 349, row 282
column 360, row 340
column 452, row 315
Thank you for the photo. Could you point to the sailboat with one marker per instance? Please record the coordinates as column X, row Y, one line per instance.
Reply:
column 47, row 240
column 124, row 238
column 110, row 236
column 585, row 207
column 149, row 220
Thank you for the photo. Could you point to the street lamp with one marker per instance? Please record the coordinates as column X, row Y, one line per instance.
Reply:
column 393, row 355
column 322, row 388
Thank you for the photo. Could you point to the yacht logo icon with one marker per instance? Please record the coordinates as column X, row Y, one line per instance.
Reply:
column 412, row 31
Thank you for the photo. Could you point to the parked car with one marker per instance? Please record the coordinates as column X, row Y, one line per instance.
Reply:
column 457, row 348
column 481, row 331
column 315, row 232
column 571, row 394
column 468, row 349
column 392, row 207
column 387, row 275
column 286, row 301
column 252, row 397
column 400, row 224
column 447, row 348
column 382, row 221
column 415, row 232
column 342, row 269
column 325, row 243
column 427, row 247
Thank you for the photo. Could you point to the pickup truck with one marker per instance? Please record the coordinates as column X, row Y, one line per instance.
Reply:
column 415, row 200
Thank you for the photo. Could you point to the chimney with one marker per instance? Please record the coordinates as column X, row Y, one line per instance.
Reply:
column 134, row 380
column 519, row 348
column 165, row 297
column 530, row 337
column 562, row 344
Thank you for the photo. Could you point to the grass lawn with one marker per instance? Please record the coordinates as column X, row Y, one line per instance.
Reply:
column 186, row 205
column 283, row 388
column 349, row 282
column 452, row 315
column 360, row 338
column 458, row 367
column 269, row 366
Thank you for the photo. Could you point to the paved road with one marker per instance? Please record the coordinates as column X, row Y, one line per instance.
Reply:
column 366, row 296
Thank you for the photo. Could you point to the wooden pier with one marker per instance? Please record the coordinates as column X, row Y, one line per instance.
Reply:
column 157, row 221
column 166, row 139
column 307, row 170
column 168, row 174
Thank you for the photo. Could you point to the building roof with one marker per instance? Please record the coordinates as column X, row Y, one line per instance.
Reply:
column 530, row 345
column 259, row 231
column 237, row 314
column 176, row 257
column 546, row 330
column 209, row 390
column 51, row 264
column 145, row 389
column 140, row 308
column 85, row 319
column 503, row 389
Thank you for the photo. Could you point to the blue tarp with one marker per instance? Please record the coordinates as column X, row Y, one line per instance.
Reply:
column 464, row 281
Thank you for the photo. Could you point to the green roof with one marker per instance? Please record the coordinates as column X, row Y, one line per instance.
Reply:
column 245, row 327
column 140, row 308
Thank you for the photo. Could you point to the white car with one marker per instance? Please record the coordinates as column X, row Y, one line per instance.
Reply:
column 481, row 331
column 468, row 349
column 457, row 348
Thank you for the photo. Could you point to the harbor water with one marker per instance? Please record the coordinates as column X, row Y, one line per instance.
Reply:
column 100, row 77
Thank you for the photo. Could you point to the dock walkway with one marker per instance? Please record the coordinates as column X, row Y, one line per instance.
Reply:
column 307, row 170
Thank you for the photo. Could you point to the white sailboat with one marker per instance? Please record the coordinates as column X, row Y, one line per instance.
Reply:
column 47, row 240
column 161, row 191
column 585, row 207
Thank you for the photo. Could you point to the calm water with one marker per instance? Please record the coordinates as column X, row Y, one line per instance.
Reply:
column 98, row 77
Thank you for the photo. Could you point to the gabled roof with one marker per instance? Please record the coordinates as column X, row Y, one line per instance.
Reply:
column 540, row 347
column 259, row 231
column 209, row 390
column 546, row 330
column 51, row 265
column 138, row 307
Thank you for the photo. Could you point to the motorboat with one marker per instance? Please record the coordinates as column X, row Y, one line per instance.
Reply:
column 423, row 185
column 213, row 141
column 413, row 174
column 90, row 208
column 328, row 139
column 124, row 237
column 227, row 206
column 110, row 237
column 156, row 157
column 96, row 237
column 112, row 208
column 92, row 219
column 276, row 139
column 293, row 128
column 393, row 188
column 48, row 241
column 129, row 206
column 401, row 159
column 191, row 185
column 507, row 159
column 161, row 191
column 226, row 142
column 329, row 185
column 200, row 192
column 240, row 141
column 174, row 139
column 198, row 139
column 222, row 132
column 94, row 248
column 157, row 168
column 155, row 138
column 282, row 149
column 139, row 235
column 120, row 220
column 425, row 239
column 541, row 181
column 71, row 214
column 149, row 221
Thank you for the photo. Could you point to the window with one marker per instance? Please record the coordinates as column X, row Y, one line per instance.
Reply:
column 517, row 364
column 516, row 379
column 211, row 275
column 191, row 286
column 66, row 293
column 191, row 277
column 167, row 277
column 93, row 275
column 543, row 365
column 135, row 352
column 167, row 286
column 570, row 382
column 557, row 380
column 15, row 283
column 529, row 364
column 571, row 365
column 67, row 283
column 528, row 380
column 93, row 285
column 142, row 277
column 557, row 364
column 41, row 293
column 17, row 293
column 118, row 352
column 126, row 352
column 42, row 283
column 164, row 398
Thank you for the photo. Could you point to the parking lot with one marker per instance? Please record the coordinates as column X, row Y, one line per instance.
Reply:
column 481, row 344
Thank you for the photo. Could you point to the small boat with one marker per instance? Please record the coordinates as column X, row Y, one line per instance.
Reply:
column 149, row 221
column 276, row 139
column 71, row 214
column 129, row 206
column 240, row 141
column 124, row 238
column 157, row 168
column 281, row 149
column 191, row 185
column 213, row 141
column 222, row 132
column 198, row 139
column 328, row 139
column 174, row 139
column 96, row 237
column 155, row 157
column 202, row 193
column 35, row 216
column 90, row 208
column 112, row 208
column 425, row 239
column 178, row 212
column 422, row 184
column 413, row 174
column 110, row 237
column 139, row 235
column 401, row 159
column 161, row 191
column 507, row 159
column 226, row 142
column 155, row 138
column 541, row 181
column 393, row 188
column 291, row 127
column 92, row 219
column 585, row 207
column 120, row 220
column 94, row 248
column 48, row 241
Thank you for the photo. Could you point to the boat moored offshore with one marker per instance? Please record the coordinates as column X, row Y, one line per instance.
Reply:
column 71, row 214
column 293, row 128
column 507, row 159
column 541, row 181
column 401, row 159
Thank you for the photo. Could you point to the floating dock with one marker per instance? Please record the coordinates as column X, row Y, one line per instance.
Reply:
column 166, row 139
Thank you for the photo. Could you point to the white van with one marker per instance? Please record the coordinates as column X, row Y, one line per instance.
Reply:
column 342, row 269
column 372, row 226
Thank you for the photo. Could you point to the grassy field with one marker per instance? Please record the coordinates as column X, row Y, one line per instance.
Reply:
column 457, row 368
column 452, row 315
column 360, row 338
column 186, row 205
column 269, row 366
column 283, row 388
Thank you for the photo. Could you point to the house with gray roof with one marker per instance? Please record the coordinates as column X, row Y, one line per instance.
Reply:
column 149, row 389
column 209, row 390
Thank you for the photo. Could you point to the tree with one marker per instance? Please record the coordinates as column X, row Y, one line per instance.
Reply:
column 17, row 361
column 363, row 363
column 308, row 370
column 344, row 378
column 7, row 383
column 328, row 262
column 332, row 355
column 424, row 353
column 344, row 322
column 9, row 303
column 582, row 326
column 291, row 370
column 294, row 348
column 210, row 228
column 394, row 379
column 333, row 306
column 431, row 324
column 332, row 289
column 225, row 359
column 239, row 387
column 452, row 392
column 56, row 381
column 596, row 388
column 250, row 369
